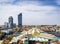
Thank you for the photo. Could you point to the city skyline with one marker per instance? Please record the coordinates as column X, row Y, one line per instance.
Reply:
column 36, row 12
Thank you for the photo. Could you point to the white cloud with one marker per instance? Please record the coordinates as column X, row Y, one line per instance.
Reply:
column 32, row 14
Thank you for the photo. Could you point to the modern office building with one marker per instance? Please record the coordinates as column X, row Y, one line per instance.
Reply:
column 10, row 22
column 14, row 25
column 20, row 20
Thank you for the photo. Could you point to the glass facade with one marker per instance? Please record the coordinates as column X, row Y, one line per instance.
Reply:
column 10, row 22
column 20, row 20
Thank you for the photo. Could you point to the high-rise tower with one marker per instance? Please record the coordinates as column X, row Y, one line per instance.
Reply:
column 20, row 20
column 10, row 22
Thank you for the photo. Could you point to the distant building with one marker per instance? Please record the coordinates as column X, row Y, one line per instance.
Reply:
column 14, row 25
column 10, row 22
column 20, row 20
column 5, row 24
column 7, row 30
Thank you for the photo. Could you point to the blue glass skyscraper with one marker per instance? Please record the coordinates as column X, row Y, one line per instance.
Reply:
column 10, row 22
column 20, row 20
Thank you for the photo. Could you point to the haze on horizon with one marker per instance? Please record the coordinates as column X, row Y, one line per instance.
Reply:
column 35, row 12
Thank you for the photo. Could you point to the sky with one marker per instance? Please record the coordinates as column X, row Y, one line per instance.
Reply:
column 35, row 12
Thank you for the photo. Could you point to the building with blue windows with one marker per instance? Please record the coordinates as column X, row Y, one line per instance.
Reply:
column 10, row 22
column 20, row 20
